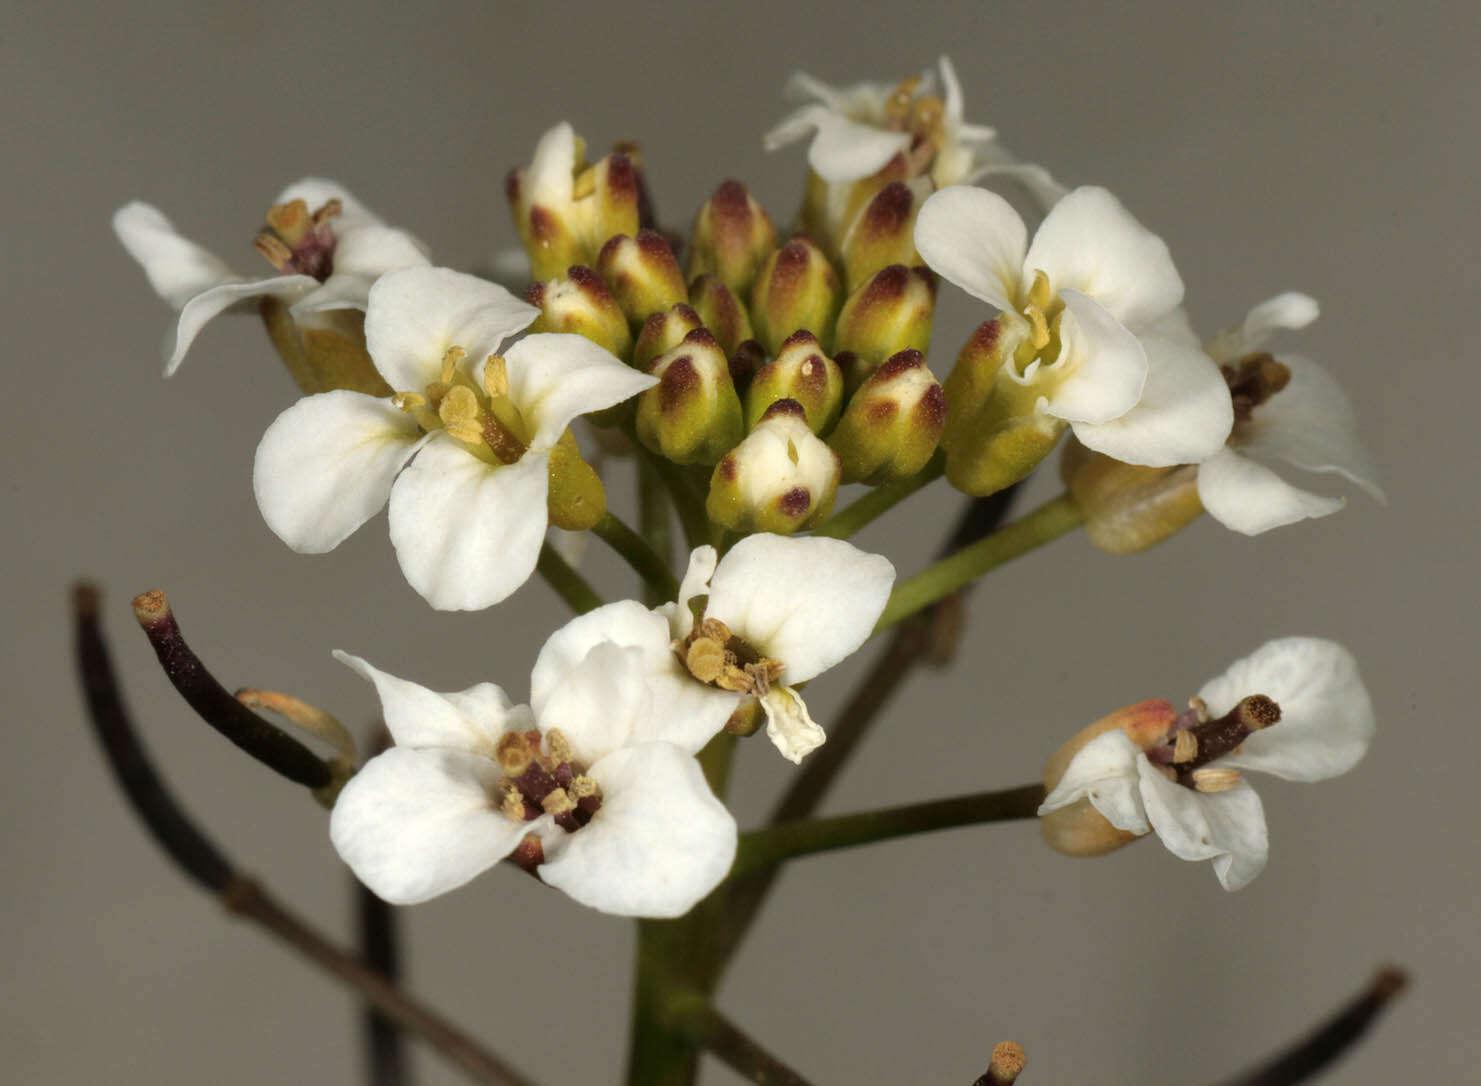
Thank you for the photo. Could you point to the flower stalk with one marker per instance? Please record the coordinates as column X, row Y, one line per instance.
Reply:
column 635, row 551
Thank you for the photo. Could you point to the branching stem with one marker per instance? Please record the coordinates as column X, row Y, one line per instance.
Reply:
column 636, row 552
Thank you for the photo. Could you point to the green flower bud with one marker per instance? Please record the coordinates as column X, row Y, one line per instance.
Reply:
column 663, row 332
column 796, row 288
column 692, row 416
column 576, row 500
column 643, row 274
column 800, row 372
column 883, row 232
column 581, row 304
column 892, row 424
column 732, row 237
column 326, row 351
column 890, row 313
column 781, row 478
column 721, row 313
column 1127, row 507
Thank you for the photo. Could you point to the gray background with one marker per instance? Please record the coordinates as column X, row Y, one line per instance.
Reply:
column 1330, row 148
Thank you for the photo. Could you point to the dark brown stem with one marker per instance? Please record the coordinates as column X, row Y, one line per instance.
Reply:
column 384, row 1052
column 1332, row 1038
column 738, row 1050
column 218, row 707
column 205, row 864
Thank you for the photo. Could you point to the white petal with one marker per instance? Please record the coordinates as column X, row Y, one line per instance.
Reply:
column 1107, row 364
column 601, row 702
column 178, row 268
column 325, row 466
column 807, row 602
column 554, row 377
column 1089, row 242
column 696, row 582
column 659, row 843
column 683, row 711
column 789, row 725
column 415, row 314
column 1310, row 423
column 551, row 176
column 201, row 309
column 1326, row 717
column 315, row 192
column 467, row 533
column 793, row 127
column 413, row 824
column 360, row 258
column 1104, row 771
column 951, row 93
column 1227, row 827
column 976, row 240
column 1250, row 498
column 1184, row 414
column 845, row 149
column 469, row 720
column 1284, row 312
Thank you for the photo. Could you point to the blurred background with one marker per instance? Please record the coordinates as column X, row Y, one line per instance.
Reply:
column 1329, row 147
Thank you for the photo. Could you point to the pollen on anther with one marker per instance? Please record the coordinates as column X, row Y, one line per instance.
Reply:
column 558, row 802
column 1259, row 711
column 1214, row 779
column 513, row 753
column 1185, row 747
column 558, row 746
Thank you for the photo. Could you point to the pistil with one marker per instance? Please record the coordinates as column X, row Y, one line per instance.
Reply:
column 1195, row 740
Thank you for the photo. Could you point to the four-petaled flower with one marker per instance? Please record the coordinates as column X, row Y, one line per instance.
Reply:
column 327, row 247
column 583, row 786
column 1295, row 708
column 468, row 513
column 774, row 612
column 1093, row 305
column 1285, row 408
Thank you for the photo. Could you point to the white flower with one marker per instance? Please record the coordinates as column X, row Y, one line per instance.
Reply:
column 624, row 820
column 857, row 130
column 1286, row 408
column 1094, row 305
column 468, row 514
column 774, row 608
column 329, row 262
column 1295, row 708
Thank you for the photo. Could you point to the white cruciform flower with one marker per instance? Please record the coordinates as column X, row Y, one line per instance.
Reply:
column 1286, row 408
column 1295, row 708
column 1093, row 306
column 582, row 784
column 468, row 513
column 776, row 612
column 328, row 249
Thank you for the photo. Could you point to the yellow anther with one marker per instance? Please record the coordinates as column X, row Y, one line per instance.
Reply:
column 1038, row 334
column 1215, row 780
column 408, row 401
column 558, row 802
column 705, row 659
column 927, row 116
column 583, row 787
column 272, row 247
column 558, row 746
column 1040, row 293
column 289, row 221
column 513, row 754
column 450, row 360
column 1185, row 747
column 496, row 377
column 585, row 183
column 460, row 405
column 897, row 109
column 330, row 209
column 513, row 804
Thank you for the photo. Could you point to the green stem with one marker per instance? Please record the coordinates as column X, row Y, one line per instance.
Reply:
column 661, row 1053
column 568, row 584
column 1048, row 522
column 776, row 844
column 880, row 500
column 655, row 520
column 737, row 1049
column 688, row 499
column 715, row 760
column 635, row 552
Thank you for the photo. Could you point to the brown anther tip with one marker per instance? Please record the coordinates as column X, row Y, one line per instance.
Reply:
column 1258, row 711
column 151, row 607
column 85, row 599
column 1008, row 1061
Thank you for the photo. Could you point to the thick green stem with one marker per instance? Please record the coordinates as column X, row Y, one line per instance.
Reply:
column 880, row 500
column 1048, row 522
column 635, row 552
column 568, row 584
column 736, row 1048
column 776, row 844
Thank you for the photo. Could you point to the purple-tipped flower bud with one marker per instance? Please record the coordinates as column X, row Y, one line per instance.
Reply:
column 663, row 332
column 883, row 232
column 797, row 288
column 720, row 311
column 732, row 237
column 781, row 478
column 893, row 424
column 890, row 313
column 800, row 372
column 580, row 303
column 692, row 416
column 1129, row 508
column 643, row 275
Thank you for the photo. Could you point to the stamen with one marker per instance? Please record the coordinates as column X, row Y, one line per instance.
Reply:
column 1193, row 743
column 1185, row 747
column 513, row 754
column 927, row 116
column 585, row 183
column 897, row 108
column 558, row 746
column 584, row 788
column 450, row 360
column 290, row 221
column 271, row 247
column 1039, row 292
column 557, row 802
column 1215, row 780
column 495, row 377
column 513, row 804
column 1252, row 381
column 1038, row 327
column 705, row 659
column 330, row 209
column 459, row 405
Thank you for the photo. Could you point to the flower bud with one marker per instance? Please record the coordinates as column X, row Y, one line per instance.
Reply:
column 580, row 303
column 890, row 313
column 721, row 313
column 326, row 351
column 883, row 232
column 1079, row 829
column 800, row 372
column 643, row 274
column 693, row 415
column 663, row 332
column 1127, row 507
column 576, row 499
column 892, row 424
column 796, row 288
column 732, row 237
column 745, row 362
column 781, row 478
